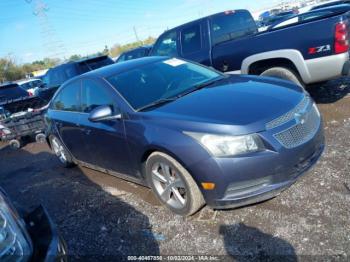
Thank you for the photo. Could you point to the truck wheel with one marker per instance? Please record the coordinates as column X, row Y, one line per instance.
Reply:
column 283, row 73
column 61, row 152
column 173, row 185
column 15, row 144
column 40, row 138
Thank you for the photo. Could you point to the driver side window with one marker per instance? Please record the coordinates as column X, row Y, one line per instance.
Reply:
column 166, row 45
column 94, row 95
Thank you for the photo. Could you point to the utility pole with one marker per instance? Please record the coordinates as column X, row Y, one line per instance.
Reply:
column 51, row 42
column 135, row 32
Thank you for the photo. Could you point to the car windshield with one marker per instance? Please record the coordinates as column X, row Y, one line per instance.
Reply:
column 162, row 80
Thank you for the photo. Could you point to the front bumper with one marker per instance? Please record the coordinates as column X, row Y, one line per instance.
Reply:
column 264, row 191
column 259, row 176
column 326, row 68
column 47, row 244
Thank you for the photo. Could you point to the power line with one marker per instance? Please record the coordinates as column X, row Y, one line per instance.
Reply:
column 53, row 45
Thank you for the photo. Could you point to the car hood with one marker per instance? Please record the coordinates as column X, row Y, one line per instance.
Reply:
column 242, row 104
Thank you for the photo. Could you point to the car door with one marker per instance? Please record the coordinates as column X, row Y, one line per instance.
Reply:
column 104, row 142
column 65, row 111
column 194, row 42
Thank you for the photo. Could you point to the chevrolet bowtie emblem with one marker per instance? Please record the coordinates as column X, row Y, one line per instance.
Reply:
column 300, row 117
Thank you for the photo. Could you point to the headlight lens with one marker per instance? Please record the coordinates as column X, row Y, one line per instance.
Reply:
column 14, row 245
column 223, row 146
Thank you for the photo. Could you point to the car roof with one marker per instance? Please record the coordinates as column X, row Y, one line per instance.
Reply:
column 21, row 82
column 73, row 63
column 335, row 8
column 8, row 84
column 227, row 12
column 121, row 67
column 328, row 3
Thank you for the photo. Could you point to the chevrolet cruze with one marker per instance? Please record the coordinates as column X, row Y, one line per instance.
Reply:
column 193, row 135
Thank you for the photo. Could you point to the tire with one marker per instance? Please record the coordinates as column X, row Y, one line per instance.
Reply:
column 40, row 138
column 284, row 73
column 175, row 188
column 15, row 144
column 61, row 152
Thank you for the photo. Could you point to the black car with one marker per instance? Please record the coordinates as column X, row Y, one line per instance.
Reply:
column 56, row 76
column 28, row 236
column 139, row 52
column 11, row 91
column 333, row 3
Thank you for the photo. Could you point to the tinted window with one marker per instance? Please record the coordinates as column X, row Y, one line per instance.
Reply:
column 166, row 45
column 26, row 86
column 56, row 76
column 160, row 80
column 191, row 39
column 121, row 58
column 141, row 52
column 94, row 95
column 68, row 98
column 231, row 26
column 96, row 63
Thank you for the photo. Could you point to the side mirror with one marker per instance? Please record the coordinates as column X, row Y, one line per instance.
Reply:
column 103, row 113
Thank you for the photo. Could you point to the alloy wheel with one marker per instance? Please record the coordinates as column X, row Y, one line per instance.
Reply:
column 59, row 150
column 169, row 185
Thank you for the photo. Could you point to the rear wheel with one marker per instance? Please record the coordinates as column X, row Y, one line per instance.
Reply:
column 40, row 138
column 284, row 73
column 173, row 185
column 61, row 152
column 15, row 144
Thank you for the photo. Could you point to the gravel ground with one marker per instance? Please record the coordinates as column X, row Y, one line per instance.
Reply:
column 99, row 215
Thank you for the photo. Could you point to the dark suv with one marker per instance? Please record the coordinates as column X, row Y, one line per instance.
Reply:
column 138, row 52
column 56, row 76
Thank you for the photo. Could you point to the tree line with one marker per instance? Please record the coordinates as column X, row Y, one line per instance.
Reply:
column 11, row 71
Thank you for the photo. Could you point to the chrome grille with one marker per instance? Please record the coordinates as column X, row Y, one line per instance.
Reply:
column 289, row 115
column 301, row 132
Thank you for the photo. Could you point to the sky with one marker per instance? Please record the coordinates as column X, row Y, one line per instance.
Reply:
column 67, row 27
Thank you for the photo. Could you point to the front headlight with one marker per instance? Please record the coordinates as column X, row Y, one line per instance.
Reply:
column 14, row 245
column 223, row 145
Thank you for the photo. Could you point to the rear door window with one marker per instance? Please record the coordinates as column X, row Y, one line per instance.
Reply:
column 68, row 99
column 166, row 45
column 230, row 26
column 56, row 77
column 93, row 95
column 191, row 39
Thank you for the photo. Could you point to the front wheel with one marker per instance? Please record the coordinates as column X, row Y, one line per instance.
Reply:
column 284, row 73
column 61, row 152
column 173, row 185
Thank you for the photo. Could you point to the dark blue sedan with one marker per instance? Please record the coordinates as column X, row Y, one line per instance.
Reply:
column 192, row 134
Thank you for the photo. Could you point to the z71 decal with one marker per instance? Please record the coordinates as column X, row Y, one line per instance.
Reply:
column 319, row 49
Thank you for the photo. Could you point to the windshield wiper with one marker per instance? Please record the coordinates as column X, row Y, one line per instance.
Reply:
column 157, row 103
column 170, row 99
column 200, row 86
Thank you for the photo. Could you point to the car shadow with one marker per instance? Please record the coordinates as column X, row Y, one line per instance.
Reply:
column 96, row 224
column 331, row 91
column 244, row 243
